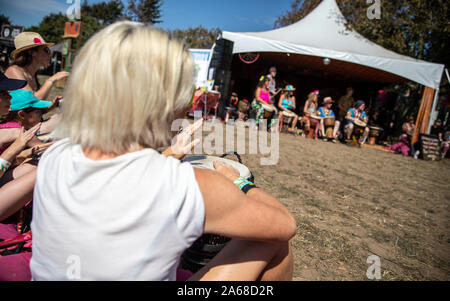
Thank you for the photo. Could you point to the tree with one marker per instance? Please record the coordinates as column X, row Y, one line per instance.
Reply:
column 4, row 20
column 416, row 28
column 146, row 11
column 299, row 9
column 104, row 12
column 51, row 28
column 198, row 37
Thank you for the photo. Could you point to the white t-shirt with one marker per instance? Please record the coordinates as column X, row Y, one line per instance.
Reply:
column 128, row 218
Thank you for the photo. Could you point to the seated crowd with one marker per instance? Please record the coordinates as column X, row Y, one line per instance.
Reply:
column 352, row 126
column 102, row 185
column 317, row 119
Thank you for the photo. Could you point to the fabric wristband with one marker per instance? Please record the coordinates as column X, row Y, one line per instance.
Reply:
column 4, row 165
column 244, row 185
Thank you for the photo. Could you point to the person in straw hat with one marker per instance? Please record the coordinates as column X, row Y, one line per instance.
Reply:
column 287, row 106
column 32, row 53
column 325, row 111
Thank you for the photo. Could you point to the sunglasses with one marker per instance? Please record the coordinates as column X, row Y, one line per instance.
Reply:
column 29, row 110
column 46, row 50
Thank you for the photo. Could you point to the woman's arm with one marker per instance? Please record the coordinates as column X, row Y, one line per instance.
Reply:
column 43, row 92
column 349, row 116
column 366, row 118
column 230, row 212
column 20, row 138
column 16, row 72
column 49, row 125
column 15, row 194
column 257, row 94
column 305, row 108
column 280, row 102
column 24, row 138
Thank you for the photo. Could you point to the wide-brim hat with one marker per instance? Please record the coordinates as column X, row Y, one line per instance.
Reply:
column 27, row 40
column 289, row 88
column 327, row 100
column 23, row 99
column 9, row 84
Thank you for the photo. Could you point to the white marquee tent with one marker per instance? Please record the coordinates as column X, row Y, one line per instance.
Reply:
column 323, row 33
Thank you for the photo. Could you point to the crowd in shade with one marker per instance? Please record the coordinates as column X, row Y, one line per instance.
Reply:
column 351, row 124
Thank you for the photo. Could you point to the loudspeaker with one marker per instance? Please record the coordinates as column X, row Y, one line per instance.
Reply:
column 9, row 32
column 222, row 79
column 222, row 55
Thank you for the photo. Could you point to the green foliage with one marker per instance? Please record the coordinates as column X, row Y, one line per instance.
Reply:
column 104, row 12
column 198, row 37
column 90, row 26
column 4, row 20
column 146, row 11
column 417, row 28
column 51, row 28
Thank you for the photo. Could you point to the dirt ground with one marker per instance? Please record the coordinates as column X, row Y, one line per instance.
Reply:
column 351, row 203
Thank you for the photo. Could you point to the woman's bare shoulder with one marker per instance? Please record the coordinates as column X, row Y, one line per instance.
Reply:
column 15, row 71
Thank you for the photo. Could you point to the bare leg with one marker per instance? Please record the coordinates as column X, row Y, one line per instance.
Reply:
column 445, row 147
column 227, row 116
column 294, row 122
column 248, row 261
column 322, row 128
column 336, row 129
column 280, row 121
column 349, row 131
column 316, row 131
column 365, row 135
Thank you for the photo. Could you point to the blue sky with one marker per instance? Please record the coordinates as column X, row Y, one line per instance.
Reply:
column 231, row 15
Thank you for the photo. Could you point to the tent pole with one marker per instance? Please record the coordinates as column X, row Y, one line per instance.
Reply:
column 433, row 109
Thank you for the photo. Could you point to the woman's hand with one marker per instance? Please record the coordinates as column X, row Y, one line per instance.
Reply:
column 227, row 170
column 26, row 136
column 55, row 103
column 60, row 75
column 182, row 147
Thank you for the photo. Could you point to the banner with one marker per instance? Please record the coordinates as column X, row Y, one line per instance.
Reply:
column 202, row 60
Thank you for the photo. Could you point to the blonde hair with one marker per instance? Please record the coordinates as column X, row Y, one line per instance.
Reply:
column 312, row 97
column 126, row 86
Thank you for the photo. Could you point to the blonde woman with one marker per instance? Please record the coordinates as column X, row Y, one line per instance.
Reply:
column 309, row 111
column 32, row 53
column 104, row 191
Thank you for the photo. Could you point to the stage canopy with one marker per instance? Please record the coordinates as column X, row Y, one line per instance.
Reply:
column 323, row 34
